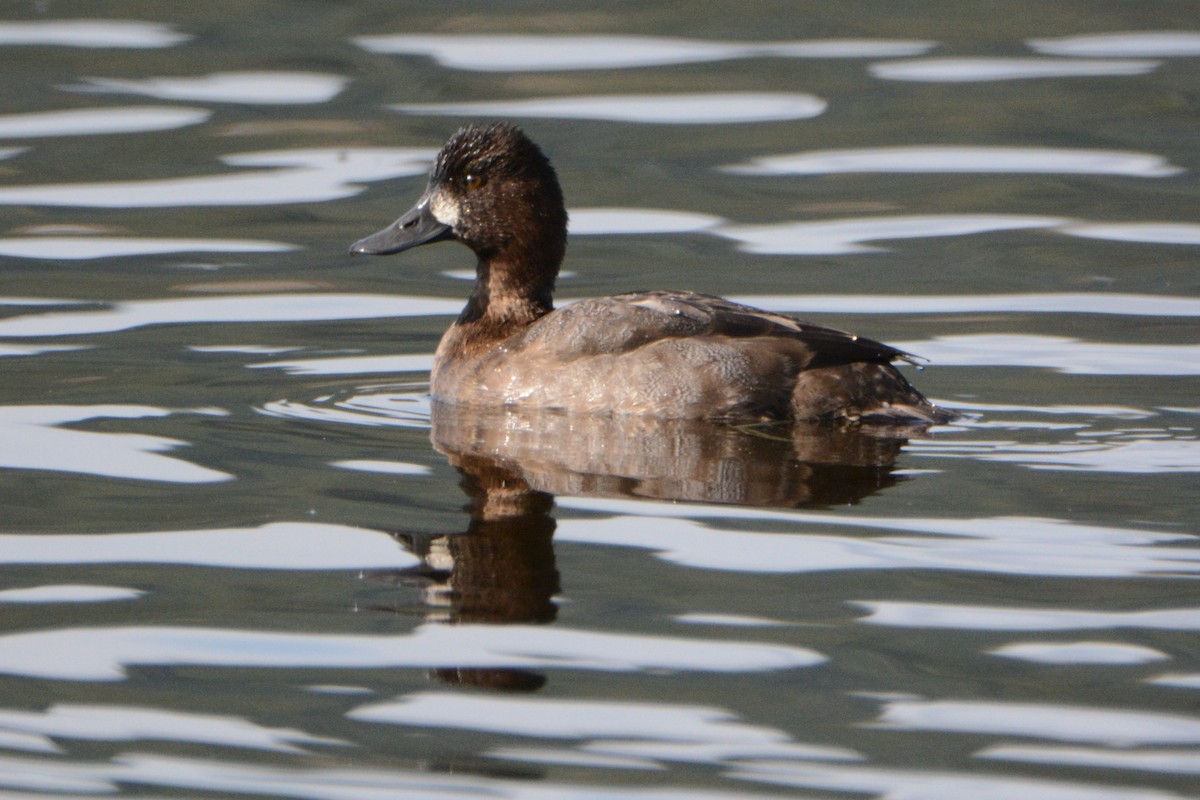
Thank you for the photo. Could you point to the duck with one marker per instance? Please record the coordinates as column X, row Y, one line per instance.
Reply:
column 666, row 354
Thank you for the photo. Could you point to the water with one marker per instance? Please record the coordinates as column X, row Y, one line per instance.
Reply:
column 243, row 556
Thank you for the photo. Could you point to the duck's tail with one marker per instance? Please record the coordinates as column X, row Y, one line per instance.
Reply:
column 868, row 392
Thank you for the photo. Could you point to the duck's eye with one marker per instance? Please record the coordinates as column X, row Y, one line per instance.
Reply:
column 473, row 180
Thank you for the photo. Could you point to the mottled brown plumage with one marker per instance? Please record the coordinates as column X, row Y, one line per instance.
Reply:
column 664, row 354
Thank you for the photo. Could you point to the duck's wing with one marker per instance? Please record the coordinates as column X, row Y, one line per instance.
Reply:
column 627, row 321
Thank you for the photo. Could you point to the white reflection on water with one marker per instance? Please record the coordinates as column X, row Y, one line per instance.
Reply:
column 383, row 467
column 96, row 121
column 102, row 654
column 288, row 176
column 251, row 349
column 575, row 757
column 622, row 735
column 253, row 88
column 1017, row 618
column 1173, row 761
column 275, row 545
column 1181, row 681
column 7, row 350
column 514, row 53
column 926, row 784
column 30, row 438
column 1137, row 44
column 351, row 782
column 68, row 593
column 91, row 33
column 352, row 365
column 1066, row 355
column 244, row 308
column 962, row 70
column 1033, row 528
column 670, row 109
column 734, row 620
column 568, row 719
column 950, row 158
column 999, row 545
column 1144, row 232
column 1142, row 305
column 1114, row 412
column 38, row 301
column 842, row 236
column 126, row 723
column 847, row 235
column 605, row 221
column 1113, row 727
column 373, row 408
column 83, row 247
column 715, row 752
column 318, row 307
column 1128, row 452
column 1079, row 653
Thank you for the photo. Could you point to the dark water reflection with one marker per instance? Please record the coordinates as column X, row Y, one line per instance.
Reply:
column 502, row 568
column 642, row 458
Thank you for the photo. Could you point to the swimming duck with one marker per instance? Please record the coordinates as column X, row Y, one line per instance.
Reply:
column 680, row 355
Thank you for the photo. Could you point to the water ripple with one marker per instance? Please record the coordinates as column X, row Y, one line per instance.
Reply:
column 514, row 53
column 1002, row 545
column 964, row 70
column 1118, row 303
column 20, row 350
column 1143, row 232
column 128, row 723
column 668, row 109
column 930, row 784
column 845, row 236
column 1080, row 653
column 1125, row 452
column 951, row 158
column 103, row 654
column 1022, row 618
column 85, row 247
column 1125, row 44
column 568, row 719
column 609, row 221
column 31, row 438
column 1114, row 727
column 246, row 308
column 352, row 365
column 98, row 121
column 68, row 593
column 1063, row 354
column 1180, row 762
column 252, row 88
column 97, row 33
column 376, row 407
column 289, row 176
column 352, row 782
column 275, row 546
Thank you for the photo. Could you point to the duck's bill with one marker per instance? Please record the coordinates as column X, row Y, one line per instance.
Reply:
column 415, row 228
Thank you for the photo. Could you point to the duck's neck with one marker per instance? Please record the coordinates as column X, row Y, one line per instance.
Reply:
column 506, row 299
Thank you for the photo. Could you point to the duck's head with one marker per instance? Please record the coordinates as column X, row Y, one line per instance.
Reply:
column 493, row 190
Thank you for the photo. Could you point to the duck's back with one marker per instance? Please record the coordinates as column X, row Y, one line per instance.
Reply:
column 680, row 355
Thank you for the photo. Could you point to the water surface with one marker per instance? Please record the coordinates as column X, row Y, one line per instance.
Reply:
column 243, row 554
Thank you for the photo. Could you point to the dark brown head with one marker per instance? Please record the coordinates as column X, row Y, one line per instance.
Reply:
column 493, row 190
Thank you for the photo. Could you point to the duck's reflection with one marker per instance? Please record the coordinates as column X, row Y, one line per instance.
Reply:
column 627, row 456
column 513, row 463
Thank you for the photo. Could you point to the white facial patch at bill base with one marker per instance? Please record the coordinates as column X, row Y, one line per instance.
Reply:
column 443, row 208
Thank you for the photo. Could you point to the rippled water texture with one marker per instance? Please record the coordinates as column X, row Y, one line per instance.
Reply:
column 242, row 553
